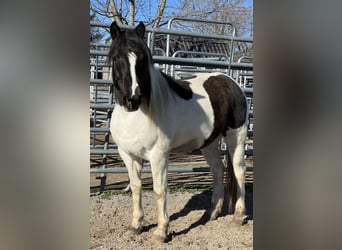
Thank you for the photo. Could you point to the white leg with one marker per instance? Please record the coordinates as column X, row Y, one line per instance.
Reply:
column 236, row 141
column 212, row 156
column 159, row 164
column 134, row 167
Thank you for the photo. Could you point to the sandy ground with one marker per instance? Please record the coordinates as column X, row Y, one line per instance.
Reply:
column 188, row 200
column 111, row 214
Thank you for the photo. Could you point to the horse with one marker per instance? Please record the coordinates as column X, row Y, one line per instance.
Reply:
column 156, row 115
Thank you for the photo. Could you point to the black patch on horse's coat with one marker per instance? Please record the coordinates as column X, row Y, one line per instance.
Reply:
column 229, row 105
column 182, row 88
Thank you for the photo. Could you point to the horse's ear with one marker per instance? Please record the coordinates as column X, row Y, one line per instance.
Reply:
column 114, row 30
column 140, row 29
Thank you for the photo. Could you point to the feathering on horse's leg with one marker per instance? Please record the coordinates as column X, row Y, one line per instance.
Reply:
column 236, row 145
column 212, row 156
column 134, row 167
column 159, row 164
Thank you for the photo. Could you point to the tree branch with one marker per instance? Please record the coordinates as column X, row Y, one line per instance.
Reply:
column 112, row 12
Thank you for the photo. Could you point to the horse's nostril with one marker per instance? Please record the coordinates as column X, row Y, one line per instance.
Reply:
column 127, row 100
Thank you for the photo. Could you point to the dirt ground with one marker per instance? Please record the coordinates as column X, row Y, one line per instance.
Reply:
column 189, row 196
column 188, row 200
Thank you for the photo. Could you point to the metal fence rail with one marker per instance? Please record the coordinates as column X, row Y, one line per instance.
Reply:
column 101, row 87
column 175, row 32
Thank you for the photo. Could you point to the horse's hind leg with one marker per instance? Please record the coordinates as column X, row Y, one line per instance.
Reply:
column 235, row 139
column 212, row 156
column 134, row 167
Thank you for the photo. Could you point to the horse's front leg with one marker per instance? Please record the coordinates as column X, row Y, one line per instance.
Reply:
column 134, row 167
column 159, row 164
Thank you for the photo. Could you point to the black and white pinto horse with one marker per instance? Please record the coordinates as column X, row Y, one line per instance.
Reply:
column 155, row 115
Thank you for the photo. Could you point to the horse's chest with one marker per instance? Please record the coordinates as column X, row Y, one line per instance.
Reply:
column 131, row 135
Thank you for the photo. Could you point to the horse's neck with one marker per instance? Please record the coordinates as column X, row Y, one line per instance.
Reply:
column 160, row 90
column 158, row 82
column 161, row 95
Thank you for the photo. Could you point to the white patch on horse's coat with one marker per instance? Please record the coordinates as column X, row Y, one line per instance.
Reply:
column 132, row 58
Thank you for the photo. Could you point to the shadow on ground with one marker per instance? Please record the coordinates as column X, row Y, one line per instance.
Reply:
column 202, row 201
column 199, row 201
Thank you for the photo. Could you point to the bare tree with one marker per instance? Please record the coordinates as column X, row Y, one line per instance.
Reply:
column 239, row 13
column 112, row 11
column 131, row 11
column 232, row 11
column 160, row 11
column 126, row 11
column 236, row 12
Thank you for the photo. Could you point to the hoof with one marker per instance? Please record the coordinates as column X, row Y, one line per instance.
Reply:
column 134, row 231
column 239, row 220
column 214, row 214
column 158, row 239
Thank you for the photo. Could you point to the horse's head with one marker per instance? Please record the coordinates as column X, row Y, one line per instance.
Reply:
column 131, row 62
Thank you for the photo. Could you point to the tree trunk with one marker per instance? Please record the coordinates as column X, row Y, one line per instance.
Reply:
column 159, row 14
column 113, row 12
column 131, row 12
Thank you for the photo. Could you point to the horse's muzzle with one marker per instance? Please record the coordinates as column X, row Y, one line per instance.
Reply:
column 132, row 104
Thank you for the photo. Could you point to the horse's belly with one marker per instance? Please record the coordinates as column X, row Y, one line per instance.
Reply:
column 187, row 146
column 194, row 124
